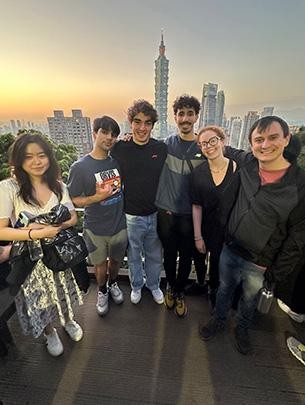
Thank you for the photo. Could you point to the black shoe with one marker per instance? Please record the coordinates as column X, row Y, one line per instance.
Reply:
column 214, row 326
column 242, row 340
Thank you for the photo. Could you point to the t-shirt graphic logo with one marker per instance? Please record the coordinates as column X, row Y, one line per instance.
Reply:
column 111, row 177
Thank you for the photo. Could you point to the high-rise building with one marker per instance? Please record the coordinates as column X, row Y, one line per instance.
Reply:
column 267, row 111
column 14, row 127
column 220, row 106
column 208, row 104
column 249, row 120
column 75, row 130
column 234, row 132
column 161, row 91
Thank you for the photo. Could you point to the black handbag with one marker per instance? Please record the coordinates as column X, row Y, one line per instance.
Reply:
column 66, row 250
column 21, row 265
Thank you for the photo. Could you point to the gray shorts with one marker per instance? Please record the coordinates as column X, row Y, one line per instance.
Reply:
column 102, row 247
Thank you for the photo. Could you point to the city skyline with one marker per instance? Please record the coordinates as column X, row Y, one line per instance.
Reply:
column 99, row 57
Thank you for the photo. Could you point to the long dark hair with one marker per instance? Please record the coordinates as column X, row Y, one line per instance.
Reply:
column 17, row 157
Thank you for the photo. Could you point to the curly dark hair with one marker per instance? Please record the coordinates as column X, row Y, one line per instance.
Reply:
column 17, row 156
column 186, row 101
column 142, row 106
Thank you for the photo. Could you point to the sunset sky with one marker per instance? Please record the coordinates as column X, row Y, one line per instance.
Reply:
column 99, row 55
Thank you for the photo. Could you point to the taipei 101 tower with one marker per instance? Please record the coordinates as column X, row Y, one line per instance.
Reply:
column 161, row 91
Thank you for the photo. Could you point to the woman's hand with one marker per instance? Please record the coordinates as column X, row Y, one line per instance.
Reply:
column 49, row 231
column 200, row 246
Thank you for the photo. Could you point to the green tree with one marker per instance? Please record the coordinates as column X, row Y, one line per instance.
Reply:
column 65, row 155
column 301, row 135
column 6, row 141
column 301, row 158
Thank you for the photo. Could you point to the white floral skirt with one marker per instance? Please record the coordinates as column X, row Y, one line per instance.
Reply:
column 46, row 297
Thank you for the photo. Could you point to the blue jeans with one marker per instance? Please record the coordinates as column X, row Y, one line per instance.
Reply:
column 143, row 243
column 232, row 270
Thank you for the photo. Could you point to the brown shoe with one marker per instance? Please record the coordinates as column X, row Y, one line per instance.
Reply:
column 169, row 299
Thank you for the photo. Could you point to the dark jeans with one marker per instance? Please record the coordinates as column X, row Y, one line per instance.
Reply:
column 232, row 270
column 177, row 236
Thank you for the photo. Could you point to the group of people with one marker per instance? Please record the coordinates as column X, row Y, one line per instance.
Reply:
column 166, row 203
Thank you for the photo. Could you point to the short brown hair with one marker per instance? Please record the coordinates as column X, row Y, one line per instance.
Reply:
column 218, row 131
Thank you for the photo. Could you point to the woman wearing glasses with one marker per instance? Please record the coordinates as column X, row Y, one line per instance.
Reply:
column 211, row 184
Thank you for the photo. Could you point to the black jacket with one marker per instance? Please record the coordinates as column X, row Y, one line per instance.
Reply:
column 267, row 223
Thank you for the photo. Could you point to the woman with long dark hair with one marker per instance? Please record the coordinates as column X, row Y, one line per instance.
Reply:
column 35, row 188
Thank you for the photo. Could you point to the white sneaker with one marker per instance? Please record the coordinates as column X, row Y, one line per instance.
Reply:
column 296, row 317
column 102, row 303
column 54, row 345
column 116, row 293
column 158, row 296
column 296, row 348
column 74, row 330
column 135, row 296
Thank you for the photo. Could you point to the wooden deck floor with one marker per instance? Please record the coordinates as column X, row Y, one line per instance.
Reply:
column 143, row 354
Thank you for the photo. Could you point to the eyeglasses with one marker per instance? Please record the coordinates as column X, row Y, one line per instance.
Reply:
column 211, row 142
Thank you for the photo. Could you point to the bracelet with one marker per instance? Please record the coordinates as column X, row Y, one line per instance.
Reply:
column 29, row 234
column 199, row 238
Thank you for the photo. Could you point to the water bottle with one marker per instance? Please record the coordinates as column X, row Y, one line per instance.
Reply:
column 35, row 250
column 265, row 300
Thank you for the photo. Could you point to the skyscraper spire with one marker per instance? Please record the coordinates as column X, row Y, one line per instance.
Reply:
column 162, row 46
column 161, row 91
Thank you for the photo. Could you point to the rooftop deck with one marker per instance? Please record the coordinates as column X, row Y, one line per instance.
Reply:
column 143, row 354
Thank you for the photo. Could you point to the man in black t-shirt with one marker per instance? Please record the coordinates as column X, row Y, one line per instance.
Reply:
column 141, row 160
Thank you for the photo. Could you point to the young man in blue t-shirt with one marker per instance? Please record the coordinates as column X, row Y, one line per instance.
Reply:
column 95, row 184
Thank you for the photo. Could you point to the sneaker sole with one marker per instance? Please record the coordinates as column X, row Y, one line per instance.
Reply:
column 78, row 339
column 102, row 313
column 159, row 302
column 181, row 315
column 295, row 354
column 169, row 306
column 135, row 302
column 117, row 302
column 54, row 355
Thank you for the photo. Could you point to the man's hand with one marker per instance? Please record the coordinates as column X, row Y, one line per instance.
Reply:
column 200, row 245
column 104, row 191
column 126, row 137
